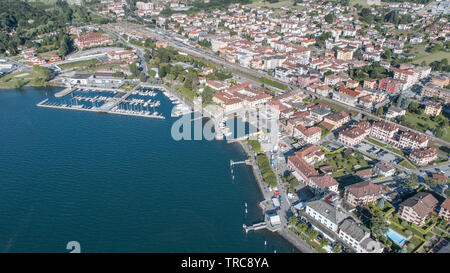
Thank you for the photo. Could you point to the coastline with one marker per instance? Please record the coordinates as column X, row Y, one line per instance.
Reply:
column 296, row 242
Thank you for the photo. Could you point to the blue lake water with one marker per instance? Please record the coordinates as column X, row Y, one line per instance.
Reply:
column 119, row 184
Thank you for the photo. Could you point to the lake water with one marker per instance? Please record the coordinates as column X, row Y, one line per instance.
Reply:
column 119, row 184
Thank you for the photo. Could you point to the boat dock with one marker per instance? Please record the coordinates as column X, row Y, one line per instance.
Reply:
column 137, row 102
column 246, row 162
column 256, row 226
column 64, row 92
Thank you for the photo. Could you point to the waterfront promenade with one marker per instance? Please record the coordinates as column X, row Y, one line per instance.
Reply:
column 283, row 231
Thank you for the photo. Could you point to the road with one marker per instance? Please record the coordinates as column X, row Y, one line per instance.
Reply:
column 139, row 51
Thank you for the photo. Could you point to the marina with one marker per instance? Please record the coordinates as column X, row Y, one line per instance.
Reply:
column 138, row 102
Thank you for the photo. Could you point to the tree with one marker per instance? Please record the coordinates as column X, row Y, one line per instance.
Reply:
column 302, row 227
column 134, row 69
column 337, row 249
column 323, row 241
column 142, row 77
column 377, row 224
column 293, row 221
column 329, row 18
column 411, row 183
column 312, row 233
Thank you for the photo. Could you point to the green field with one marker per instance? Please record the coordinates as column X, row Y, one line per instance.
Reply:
column 423, row 122
column 78, row 64
column 428, row 57
column 16, row 80
column 263, row 3
column 406, row 164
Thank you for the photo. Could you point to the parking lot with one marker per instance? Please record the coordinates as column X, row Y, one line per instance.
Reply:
column 378, row 153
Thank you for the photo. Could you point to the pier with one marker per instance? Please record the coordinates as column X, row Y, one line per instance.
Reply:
column 246, row 162
column 254, row 227
column 64, row 92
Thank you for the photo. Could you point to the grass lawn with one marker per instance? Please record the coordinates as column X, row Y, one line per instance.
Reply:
column 127, row 86
column 262, row 3
column 24, row 78
column 422, row 123
column 406, row 164
column 336, row 107
column 375, row 142
column 78, row 64
column 428, row 57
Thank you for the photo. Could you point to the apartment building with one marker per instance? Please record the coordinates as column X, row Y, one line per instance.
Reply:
column 355, row 134
column 360, row 194
column 430, row 90
column 325, row 214
column 384, row 130
column 92, row 39
column 358, row 238
column 433, row 108
column 418, row 208
column 412, row 140
column 444, row 211
column 424, row 156
column 309, row 135
column 337, row 119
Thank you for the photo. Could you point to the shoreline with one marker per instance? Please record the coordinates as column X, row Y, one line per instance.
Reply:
column 292, row 239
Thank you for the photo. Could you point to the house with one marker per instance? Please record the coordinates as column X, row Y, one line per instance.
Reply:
column 424, row 156
column 395, row 111
column 383, row 168
column 360, row 194
column 325, row 213
column 418, row 208
column 370, row 84
column 444, row 211
column 358, row 238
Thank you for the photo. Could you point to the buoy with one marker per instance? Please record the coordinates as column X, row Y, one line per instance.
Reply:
column 265, row 243
column 245, row 204
column 246, row 211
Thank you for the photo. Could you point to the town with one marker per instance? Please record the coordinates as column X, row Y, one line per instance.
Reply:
column 359, row 90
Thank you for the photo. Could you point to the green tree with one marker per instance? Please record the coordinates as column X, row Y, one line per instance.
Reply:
column 312, row 233
column 142, row 77
column 323, row 241
column 377, row 223
column 293, row 221
column 134, row 69
column 411, row 182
